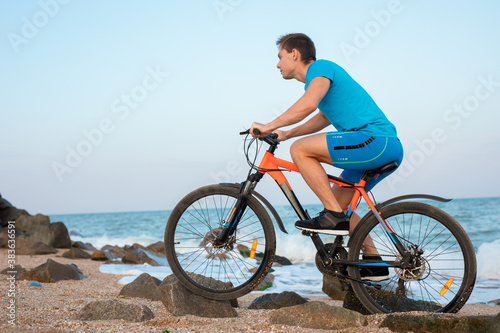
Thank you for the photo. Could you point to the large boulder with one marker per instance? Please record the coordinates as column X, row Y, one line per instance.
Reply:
column 352, row 302
column 34, row 228
column 438, row 323
column 25, row 222
column 9, row 212
column 179, row 301
column 114, row 310
column 495, row 324
column 54, row 234
column 334, row 288
column 26, row 247
column 388, row 300
column 52, row 271
column 277, row 301
column 145, row 286
column 317, row 315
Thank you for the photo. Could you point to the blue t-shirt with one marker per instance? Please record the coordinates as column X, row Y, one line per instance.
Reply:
column 346, row 104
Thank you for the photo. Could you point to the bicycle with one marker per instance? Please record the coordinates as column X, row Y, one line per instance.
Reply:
column 220, row 242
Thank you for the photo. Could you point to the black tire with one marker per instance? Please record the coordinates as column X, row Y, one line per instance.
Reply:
column 448, row 254
column 198, row 264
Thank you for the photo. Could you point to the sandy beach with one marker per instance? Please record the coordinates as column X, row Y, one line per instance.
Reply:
column 54, row 307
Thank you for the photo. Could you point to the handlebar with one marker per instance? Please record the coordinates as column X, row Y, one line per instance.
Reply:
column 256, row 131
column 271, row 138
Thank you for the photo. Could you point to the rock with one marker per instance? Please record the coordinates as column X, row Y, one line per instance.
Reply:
column 60, row 235
column 277, row 301
column 333, row 287
column 52, row 271
column 115, row 310
column 179, row 301
column 135, row 246
column 17, row 271
column 111, row 256
column 266, row 283
column 144, row 286
column 55, row 234
column 389, row 301
column 352, row 302
column 25, row 223
column 317, row 315
column 83, row 246
column 26, row 247
column 116, row 250
column 76, row 253
column 138, row 257
column 158, row 247
column 495, row 324
column 244, row 250
column 438, row 323
column 9, row 212
column 282, row 261
column 105, row 255
column 98, row 256
column 35, row 284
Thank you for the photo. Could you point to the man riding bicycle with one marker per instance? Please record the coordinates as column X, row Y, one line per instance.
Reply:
column 365, row 138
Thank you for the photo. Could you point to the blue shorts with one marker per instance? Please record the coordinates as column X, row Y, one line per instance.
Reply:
column 356, row 152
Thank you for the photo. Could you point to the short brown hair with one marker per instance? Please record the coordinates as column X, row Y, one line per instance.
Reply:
column 301, row 42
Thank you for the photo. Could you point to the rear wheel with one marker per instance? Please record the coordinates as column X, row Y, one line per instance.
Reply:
column 219, row 271
column 441, row 272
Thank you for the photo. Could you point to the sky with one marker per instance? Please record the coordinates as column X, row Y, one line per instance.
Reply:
column 111, row 106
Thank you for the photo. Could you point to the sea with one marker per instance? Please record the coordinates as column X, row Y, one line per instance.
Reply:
column 480, row 217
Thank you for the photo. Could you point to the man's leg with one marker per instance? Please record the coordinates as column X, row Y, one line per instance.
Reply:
column 308, row 154
column 344, row 197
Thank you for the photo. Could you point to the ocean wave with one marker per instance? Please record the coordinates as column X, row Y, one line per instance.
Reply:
column 99, row 241
column 488, row 261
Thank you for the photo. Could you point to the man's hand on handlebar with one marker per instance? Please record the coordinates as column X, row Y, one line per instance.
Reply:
column 258, row 131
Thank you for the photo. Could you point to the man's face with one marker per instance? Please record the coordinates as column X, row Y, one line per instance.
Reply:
column 286, row 64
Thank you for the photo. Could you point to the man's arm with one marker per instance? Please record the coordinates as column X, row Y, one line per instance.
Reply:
column 306, row 105
column 313, row 125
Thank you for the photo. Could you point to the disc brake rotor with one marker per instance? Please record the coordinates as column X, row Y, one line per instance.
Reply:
column 421, row 266
column 214, row 251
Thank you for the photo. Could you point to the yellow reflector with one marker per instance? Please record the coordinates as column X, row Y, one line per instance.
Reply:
column 446, row 287
column 254, row 248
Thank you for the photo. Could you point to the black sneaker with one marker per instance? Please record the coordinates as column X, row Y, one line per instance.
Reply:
column 326, row 223
column 374, row 273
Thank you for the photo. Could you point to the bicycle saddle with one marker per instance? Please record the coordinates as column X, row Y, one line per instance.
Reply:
column 370, row 174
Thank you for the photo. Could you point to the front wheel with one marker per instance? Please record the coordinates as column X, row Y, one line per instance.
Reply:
column 204, row 265
column 440, row 260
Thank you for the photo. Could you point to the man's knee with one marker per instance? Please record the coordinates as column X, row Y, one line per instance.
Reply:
column 296, row 150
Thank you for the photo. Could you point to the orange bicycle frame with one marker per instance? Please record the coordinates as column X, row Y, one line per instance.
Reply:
column 275, row 166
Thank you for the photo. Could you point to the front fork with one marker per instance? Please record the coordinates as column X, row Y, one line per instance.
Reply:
column 229, row 227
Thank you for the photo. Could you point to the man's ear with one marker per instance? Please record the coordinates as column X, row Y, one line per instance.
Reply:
column 296, row 55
